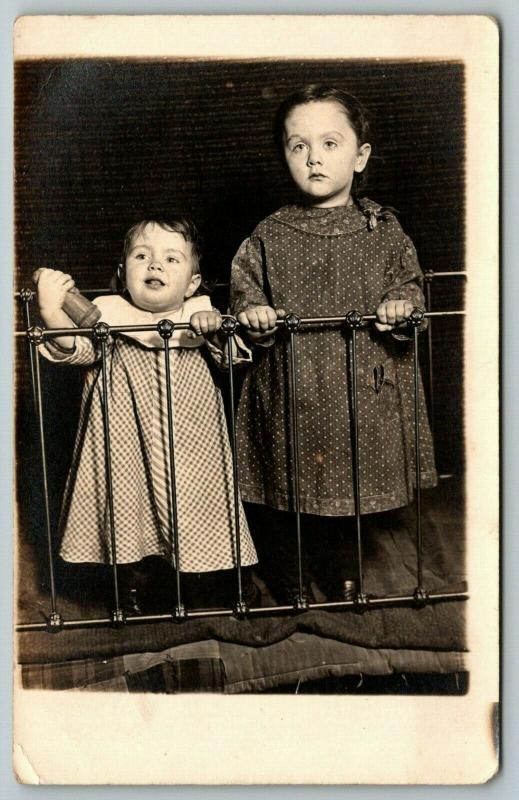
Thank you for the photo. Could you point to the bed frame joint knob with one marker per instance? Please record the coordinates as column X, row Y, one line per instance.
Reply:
column 292, row 322
column 55, row 622
column 421, row 597
column 354, row 320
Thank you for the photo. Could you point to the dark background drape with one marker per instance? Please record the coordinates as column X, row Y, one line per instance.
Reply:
column 102, row 143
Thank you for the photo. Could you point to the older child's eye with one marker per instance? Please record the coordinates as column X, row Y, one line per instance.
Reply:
column 298, row 147
column 330, row 144
column 140, row 256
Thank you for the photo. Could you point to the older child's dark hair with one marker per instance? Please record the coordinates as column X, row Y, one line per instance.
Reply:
column 357, row 115
column 182, row 225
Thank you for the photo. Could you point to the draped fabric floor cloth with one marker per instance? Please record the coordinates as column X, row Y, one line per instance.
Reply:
column 390, row 568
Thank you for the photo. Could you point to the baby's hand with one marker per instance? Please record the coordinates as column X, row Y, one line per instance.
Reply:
column 261, row 321
column 392, row 314
column 51, row 288
column 204, row 323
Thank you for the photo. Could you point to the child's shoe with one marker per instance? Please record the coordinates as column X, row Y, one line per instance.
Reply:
column 289, row 595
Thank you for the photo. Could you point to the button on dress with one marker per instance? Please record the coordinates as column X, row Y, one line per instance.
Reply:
column 325, row 262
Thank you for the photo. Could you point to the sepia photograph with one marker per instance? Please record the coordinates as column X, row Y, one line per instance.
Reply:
column 256, row 423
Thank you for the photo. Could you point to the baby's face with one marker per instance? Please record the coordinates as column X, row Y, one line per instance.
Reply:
column 158, row 270
column 322, row 152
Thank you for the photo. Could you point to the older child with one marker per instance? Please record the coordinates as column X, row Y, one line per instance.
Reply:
column 160, row 272
column 329, row 253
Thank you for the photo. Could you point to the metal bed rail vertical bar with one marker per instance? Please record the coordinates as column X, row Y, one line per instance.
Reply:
column 101, row 334
column 428, row 297
column 229, row 326
column 292, row 322
column 354, row 321
column 55, row 620
column 165, row 328
column 26, row 295
column 416, row 320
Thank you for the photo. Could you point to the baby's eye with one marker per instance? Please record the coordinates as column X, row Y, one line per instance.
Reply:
column 140, row 256
column 172, row 260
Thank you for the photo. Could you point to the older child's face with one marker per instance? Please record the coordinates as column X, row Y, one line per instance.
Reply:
column 322, row 152
column 159, row 270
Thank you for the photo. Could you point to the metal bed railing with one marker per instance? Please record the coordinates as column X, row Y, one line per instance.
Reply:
column 101, row 332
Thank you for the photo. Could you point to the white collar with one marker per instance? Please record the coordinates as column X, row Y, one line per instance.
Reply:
column 115, row 310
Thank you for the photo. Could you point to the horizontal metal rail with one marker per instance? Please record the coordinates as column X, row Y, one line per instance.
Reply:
column 370, row 602
column 429, row 274
column 48, row 333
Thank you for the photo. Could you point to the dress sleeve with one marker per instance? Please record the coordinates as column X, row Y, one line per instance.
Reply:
column 83, row 353
column 403, row 280
column 247, row 277
column 248, row 282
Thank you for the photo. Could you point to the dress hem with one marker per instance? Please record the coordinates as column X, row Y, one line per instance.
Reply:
column 344, row 507
column 123, row 561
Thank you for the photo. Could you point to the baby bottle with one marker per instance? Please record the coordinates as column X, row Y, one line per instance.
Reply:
column 81, row 311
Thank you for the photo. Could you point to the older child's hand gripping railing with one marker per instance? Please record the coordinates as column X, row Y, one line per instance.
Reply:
column 165, row 328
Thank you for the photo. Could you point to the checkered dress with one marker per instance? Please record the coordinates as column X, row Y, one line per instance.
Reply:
column 140, row 463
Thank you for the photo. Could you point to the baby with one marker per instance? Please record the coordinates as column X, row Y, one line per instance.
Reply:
column 160, row 273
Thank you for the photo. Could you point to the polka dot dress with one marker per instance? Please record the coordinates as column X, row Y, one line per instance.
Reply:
column 324, row 262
